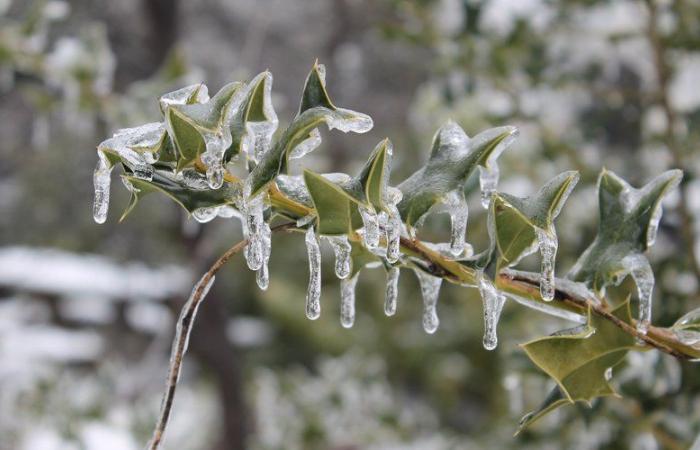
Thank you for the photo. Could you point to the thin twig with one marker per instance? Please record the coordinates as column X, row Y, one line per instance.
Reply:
column 182, row 335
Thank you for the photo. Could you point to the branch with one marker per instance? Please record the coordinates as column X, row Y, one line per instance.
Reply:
column 182, row 335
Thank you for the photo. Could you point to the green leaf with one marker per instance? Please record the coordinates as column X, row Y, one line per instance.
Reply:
column 628, row 222
column 578, row 361
column 188, row 123
column 374, row 176
column 256, row 107
column 315, row 110
column 453, row 158
column 332, row 205
column 517, row 218
column 190, row 199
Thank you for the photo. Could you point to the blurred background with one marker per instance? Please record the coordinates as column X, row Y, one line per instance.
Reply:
column 87, row 311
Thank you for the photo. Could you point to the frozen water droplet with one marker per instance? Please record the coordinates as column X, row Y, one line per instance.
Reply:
column 547, row 242
column 392, row 291
column 313, row 294
column 206, row 214
column 430, row 289
column 370, row 221
column 457, row 209
column 193, row 179
column 638, row 266
column 215, row 177
column 493, row 305
column 488, row 180
column 262, row 276
column 307, row 145
column 341, row 248
column 347, row 300
column 213, row 157
column 101, row 179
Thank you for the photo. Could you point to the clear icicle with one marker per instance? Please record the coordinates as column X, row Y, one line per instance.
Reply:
column 430, row 289
column 253, row 225
column 313, row 294
column 393, row 224
column 392, row 291
column 205, row 214
column 347, row 300
column 638, row 266
column 547, row 242
column 488, row 180
column 371, row 227
column 101, row 179
column 341, row 248
column 493, row 305
column 307, row 145
column 457, row 209
column 213, row 157
column 263, row 276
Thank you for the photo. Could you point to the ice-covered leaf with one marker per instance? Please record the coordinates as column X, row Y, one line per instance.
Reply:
column 453, row 158
column 332, row 204
column 183, row 194
column 315, row 110
column 627, row 226
column 579, row 360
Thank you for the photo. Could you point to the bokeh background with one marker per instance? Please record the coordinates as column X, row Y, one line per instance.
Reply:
column 87, row 311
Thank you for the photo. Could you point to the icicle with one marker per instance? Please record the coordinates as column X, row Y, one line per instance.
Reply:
column 393, row 224
column 213, row 156
column 253, row 214
column 263, row 276
column 313, row 294
column 206, row 214
column 457, row 209
column 347, row 300
column 430, row 289
column 307, row 145
column 638, row 266
column 488, row 180
column 493, row 304
column 392, row 291
column 547, row 242
column 371, row 227
column 101, row 179
column 341, row 248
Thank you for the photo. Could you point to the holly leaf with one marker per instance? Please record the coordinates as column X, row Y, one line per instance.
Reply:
column 453, row 158
column 316, row 109
column 332, row 205
column 190, row 199
column 578, row 360
column 517, row 219
column 628, row 223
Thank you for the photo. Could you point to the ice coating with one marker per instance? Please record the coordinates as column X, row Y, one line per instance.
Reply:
column 341, row 248
column 638, row 267
column 493, row 305
column 488, row 181
column 346, row 121
column 125, row 142
column 313, row 293
column 213, row 157
column 192, row 179
column 457, row 209
column 654, row 225
column 183, row 95
column 206, row 214
column 371, row 227
column 392, row 291
column 430, row 289
column 547, row 242
column 262, row 277
column 307, row 145
column 102, row 179
column 228, row 211
column 347, row 300
column 692, row 317
column 253, row 230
